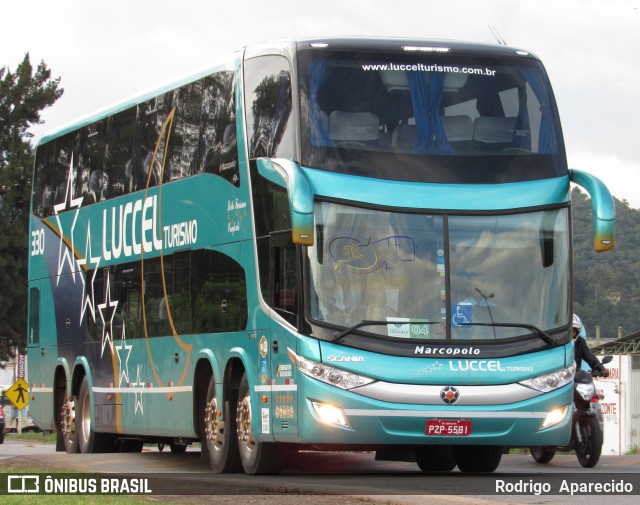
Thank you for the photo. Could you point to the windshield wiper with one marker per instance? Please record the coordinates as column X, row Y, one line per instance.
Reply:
column 537, row 331
column 365, row 322
column 534, row 329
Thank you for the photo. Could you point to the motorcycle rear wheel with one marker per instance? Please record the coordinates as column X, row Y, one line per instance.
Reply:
column 587, row 441
column 542, row 454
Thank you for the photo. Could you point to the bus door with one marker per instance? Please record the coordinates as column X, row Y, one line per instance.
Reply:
column 285, row 301
column 41, row 352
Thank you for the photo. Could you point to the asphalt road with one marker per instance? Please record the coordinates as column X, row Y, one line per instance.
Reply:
column 345, row 478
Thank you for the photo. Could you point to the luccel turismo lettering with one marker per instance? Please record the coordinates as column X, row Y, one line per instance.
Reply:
column 135, row 228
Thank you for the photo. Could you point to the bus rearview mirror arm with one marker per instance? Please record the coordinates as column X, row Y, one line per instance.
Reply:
column 603, row 208
column 288, row 174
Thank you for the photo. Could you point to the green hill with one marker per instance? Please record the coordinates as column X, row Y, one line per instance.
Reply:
column 607, row 285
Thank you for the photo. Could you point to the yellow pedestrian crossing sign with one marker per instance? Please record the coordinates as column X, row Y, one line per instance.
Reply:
column 18, row 394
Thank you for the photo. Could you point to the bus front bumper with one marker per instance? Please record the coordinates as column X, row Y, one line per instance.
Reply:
column 333, row 416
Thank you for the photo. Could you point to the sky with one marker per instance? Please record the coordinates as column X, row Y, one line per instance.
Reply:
column 108, row 51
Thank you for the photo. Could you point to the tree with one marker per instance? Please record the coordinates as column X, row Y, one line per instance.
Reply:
column 23, row 95
column 606, row 285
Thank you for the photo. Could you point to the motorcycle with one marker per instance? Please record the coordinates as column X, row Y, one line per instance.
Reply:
column 586, row 427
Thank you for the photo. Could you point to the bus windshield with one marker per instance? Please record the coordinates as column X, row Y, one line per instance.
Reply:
column 441, row 116
column 444, row 273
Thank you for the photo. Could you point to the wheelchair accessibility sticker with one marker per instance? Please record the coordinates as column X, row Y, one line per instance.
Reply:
column 461, row 315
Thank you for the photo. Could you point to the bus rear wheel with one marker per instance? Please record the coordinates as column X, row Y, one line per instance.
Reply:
column 89, row 441
column 257, row 457
column 224, row 455
column 477, row 458
column 67, row 425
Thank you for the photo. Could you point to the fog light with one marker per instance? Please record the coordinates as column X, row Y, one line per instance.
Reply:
column 328, row 414
column 556, row 416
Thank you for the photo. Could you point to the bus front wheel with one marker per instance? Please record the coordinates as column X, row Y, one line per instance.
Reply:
column 435, row 458
column 257, row 457
column 477, row 458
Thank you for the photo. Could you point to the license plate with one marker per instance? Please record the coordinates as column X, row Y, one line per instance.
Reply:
column 448, row 427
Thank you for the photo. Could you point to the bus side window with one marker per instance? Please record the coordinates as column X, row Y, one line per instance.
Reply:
column 185, row 139
column 218, row 290
column 42, row 192
column 128, row 292
column 278, row 264
column 218, row 153
column 34, row 317
column 95, row 161
column 285, row 276
column 150, row 142
column 62, row 170
column 268, row 107
column 118, row 163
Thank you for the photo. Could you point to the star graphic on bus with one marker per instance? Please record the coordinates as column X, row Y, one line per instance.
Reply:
column 88, row 260
column 69, row 203
column 109, row 307
column 138, row 387
column 124, row 347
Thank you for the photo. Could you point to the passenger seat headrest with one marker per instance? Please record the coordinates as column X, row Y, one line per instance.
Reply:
column 353, row 126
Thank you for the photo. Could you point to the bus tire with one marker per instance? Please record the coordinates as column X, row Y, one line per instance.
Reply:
column 257, row 457
column 68, row 424
column 219, row 432
column 477, row 458
column 435, row 458
column 89, row 441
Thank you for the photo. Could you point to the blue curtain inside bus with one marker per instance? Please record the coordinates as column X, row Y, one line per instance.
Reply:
column 426, row 98
column 547, row 143
column 317, row 118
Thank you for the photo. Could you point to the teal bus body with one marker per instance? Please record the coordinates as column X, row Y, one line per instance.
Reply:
column 225, row 261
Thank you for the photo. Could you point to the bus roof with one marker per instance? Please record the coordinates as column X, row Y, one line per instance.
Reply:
column 291, row 45
column 393, row 43
column 227, row 63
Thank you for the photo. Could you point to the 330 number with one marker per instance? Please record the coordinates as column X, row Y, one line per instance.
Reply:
column 37, row 242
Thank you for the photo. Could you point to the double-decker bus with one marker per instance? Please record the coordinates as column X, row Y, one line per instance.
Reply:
column 340, row 244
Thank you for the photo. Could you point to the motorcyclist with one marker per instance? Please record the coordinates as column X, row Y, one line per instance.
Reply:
column 582, row 351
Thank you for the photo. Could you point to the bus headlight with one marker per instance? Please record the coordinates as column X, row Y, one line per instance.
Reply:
column 551, row 381
column 328, row 374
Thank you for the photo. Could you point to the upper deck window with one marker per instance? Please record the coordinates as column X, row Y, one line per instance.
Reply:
column 429, row 117
column 268, row 107
column 187, row 131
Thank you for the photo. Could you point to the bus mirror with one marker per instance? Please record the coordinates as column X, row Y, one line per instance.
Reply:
column 288, row 174
column 603, row 207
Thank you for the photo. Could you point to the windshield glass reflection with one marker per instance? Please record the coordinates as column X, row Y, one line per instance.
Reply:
column 395, row 267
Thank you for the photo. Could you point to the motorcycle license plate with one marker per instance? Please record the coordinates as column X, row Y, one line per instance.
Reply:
column 449, row 427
